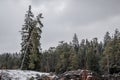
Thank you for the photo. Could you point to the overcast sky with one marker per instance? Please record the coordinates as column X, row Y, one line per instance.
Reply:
column 62, row 18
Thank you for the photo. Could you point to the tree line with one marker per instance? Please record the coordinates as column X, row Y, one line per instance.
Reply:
column 101, row 57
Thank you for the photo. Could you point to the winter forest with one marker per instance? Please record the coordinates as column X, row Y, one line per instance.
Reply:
column 100, row 57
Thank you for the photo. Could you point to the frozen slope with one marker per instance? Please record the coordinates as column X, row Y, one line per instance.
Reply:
column 20, row 74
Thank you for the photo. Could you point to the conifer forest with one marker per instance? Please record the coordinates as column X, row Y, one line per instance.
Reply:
column 99, row 56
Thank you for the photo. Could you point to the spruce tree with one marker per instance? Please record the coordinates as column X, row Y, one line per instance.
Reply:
column 82, row 55
column 107, row 38
column 31, row 34
column 73, row 61
column 93, row 56
column 111, row 59
column 75, row 43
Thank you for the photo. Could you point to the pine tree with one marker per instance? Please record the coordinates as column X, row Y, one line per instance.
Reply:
column 75, row 43
column 117, row 34
column 107, row 38
column 111, row 57
column 82, row 55
column 93, row 56
column 63, row 51
column 31, row 34
column 73, row 61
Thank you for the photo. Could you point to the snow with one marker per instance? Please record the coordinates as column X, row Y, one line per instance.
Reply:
column 20, row 74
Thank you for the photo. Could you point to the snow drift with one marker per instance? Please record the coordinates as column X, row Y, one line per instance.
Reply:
column 20, row 75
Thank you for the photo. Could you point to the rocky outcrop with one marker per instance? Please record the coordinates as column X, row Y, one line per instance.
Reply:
column 79, row 75
column 32, row 75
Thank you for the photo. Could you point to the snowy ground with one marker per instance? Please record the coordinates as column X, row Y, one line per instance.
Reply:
column 20, row 74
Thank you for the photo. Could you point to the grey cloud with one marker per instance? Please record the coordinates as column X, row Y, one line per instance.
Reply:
column 78, row 16
column 82, row 12
column 11, row 19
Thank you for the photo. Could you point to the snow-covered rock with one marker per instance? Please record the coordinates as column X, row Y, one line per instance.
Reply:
column 20, row 75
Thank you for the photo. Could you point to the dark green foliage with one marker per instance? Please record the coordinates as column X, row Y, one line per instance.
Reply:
column 111, row 56
column 64, row 58
column 49, row 60
column 107, row 38
column 73, row 59
column 10, row 61
column 82, row 55
column 63, row 51
column 91, row 55
column 26, row 42
column 75, row 43
column 31, row 34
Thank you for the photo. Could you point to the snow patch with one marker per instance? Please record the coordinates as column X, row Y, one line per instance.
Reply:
column 20, row 74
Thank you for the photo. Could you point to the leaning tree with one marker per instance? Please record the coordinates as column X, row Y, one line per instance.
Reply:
column 30, row 46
